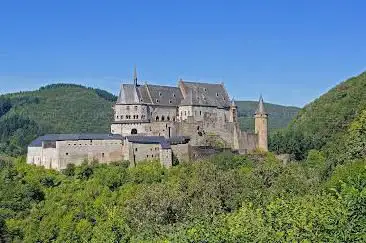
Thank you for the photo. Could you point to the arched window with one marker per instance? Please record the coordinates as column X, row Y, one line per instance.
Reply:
column 162, row 118
column 134, row 131
column 168, row 118
column 157, row 118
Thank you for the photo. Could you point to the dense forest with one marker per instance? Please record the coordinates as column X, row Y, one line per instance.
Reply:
column 227, row 198
column 70, row 108
column 333, row 123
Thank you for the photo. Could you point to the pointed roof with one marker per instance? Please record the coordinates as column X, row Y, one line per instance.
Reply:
column 205, row 94
column 135, row 76
column 260, row 109
column 233, row 103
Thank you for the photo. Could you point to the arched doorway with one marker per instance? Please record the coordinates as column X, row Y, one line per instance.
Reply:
column 134, row 131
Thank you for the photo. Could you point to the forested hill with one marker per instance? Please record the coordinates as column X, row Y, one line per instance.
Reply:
column 70, row 108
column 279, row 116
column 329, row 122
column 58, row 108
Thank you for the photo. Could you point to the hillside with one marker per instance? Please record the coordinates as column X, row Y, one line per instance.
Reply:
column 61, row 108
column 69, row 108
column 327, row 122
column 279, row 116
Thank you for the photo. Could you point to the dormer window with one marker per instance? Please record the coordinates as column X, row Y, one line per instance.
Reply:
column 160, row 94
column 157, row 101
column 170, row 101
column 173, row 95
column 205, row 89
column 217, row 94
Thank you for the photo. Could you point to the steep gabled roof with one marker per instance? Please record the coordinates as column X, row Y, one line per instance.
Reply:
column 128, row 94
column 164, row 95
column 204, row 94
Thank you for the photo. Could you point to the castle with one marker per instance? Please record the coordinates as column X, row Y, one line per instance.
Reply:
column 153, row 122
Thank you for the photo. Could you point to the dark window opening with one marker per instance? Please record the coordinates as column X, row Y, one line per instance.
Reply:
column 162, row 118
column 135, row 149
column 102, row 155
column 67, row 153
column 168, row 118
column 157, row 118
column 134, row 131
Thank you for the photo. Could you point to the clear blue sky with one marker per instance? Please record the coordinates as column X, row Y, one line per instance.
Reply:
column 290, row 51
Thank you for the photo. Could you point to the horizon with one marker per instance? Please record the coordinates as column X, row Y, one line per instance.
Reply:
column 290, row 52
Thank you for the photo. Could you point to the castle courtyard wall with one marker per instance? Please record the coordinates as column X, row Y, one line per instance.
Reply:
column 181, row 152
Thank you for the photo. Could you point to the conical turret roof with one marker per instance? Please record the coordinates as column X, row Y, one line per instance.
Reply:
column 233, row 103
column 260, row 109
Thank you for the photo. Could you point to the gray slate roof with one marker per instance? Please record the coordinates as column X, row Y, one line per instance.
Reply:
column 128, row 94
column 260, row 109
column 78, row 136
column 199, row 94
column 205, row 94
column 164, row 95
column 164, row 142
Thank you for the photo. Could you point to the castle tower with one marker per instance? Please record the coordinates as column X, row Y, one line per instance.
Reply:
column 261, row 126
column 233, row 112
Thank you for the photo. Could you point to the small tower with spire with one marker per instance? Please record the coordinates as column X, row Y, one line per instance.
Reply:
column 261, row 126
column 233, row 111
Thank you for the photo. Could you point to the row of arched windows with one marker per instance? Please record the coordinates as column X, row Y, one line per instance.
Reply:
column 131, row 117
column 163, row 118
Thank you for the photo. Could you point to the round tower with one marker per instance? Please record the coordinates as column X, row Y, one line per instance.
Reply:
column 233, row 112
column 261, row 126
